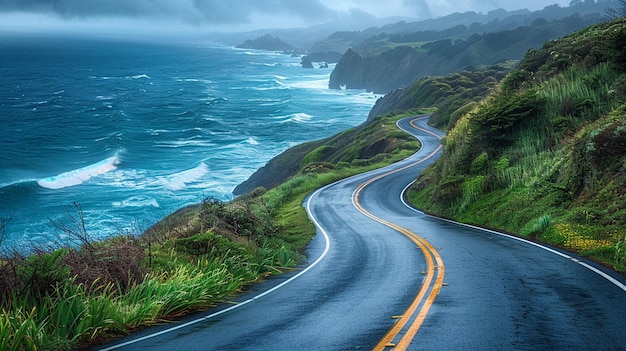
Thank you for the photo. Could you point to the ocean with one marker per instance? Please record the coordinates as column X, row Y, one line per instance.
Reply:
column 132, row 130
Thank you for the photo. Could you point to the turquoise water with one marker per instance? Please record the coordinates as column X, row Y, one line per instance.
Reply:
column 132, row 130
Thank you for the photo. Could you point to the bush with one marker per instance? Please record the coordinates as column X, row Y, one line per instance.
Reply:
column 41, row 272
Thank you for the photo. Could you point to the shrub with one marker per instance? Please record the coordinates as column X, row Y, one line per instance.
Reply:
column 43, row 271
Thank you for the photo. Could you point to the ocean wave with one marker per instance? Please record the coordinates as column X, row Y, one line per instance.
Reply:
column 16, row 184
column 191, row 142
column 262, row 53
column 194, row 80
column 252, row 141
column 274, row 102
column 213, row 100
column 264, row 64
column 319, row 84
column 139, row 76
column 137, row 201
column 279, row 87
column 300, row 117
column 79, row 176
column 179, row 181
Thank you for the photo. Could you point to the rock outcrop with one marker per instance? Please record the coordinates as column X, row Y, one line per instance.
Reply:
column 266, row 42
column 327, row 57
column 380, row 73
column 306, row 62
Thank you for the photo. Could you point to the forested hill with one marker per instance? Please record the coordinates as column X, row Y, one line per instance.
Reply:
column 545, row 156
column 398, row 59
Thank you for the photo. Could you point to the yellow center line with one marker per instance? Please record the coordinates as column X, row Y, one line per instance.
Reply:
column 430, row 255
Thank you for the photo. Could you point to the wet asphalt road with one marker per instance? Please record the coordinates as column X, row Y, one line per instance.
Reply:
column 500, row 293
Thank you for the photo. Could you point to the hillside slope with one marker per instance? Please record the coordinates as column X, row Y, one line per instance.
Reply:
column 364, row 143
column 545, row 156
column 398, row 60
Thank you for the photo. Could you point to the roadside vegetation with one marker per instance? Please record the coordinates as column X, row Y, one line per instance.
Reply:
column 545, row 155
column 60, row 298
column 71, row 295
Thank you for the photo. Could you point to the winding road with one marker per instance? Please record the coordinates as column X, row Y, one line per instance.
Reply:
column 384, row 276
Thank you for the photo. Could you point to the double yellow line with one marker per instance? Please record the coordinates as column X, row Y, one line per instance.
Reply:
column 412, row 319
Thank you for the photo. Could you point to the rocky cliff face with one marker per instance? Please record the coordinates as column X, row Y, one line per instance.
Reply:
column 380, row 73
column 278, row 169
column 392, row 101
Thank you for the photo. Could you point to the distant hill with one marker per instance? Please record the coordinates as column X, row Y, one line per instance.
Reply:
column 465, row 23
column 266, row 42
column 405, row 58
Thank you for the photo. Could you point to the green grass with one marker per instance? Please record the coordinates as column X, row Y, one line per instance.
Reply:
column 190, row 261
column 543, row 156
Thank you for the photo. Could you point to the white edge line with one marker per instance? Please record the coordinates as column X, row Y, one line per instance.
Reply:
column 184, row 325
column 586, row 265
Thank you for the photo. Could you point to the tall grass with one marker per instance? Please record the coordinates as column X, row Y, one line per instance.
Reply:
column 71, row 315
column 580, row 93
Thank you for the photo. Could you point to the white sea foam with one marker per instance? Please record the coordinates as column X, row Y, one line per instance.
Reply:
column 300, row 117
column 137, row 201
column 280, row 87
column 186, row 143
column 179, row 181
column 81, row 175
column 194, row 80
column 138, row 179
column 320, row 84
column 139, row 76
column 264, row 64
column 262, row 53
column 252, row 141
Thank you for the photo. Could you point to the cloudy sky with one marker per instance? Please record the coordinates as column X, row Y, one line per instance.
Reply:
column 232, row 15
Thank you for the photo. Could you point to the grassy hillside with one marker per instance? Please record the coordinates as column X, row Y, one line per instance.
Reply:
column 545, row 156
column 451, row 94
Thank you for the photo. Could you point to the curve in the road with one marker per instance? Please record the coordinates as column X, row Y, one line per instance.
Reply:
column 435, row 267
column 238, row 305
column 503, row 294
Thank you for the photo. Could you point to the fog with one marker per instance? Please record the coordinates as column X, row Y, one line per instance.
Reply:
column 177, row 16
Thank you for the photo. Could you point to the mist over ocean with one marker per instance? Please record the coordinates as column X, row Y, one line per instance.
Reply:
column 134, row 130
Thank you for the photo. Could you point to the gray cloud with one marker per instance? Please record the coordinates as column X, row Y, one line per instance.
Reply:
column 421, row 8
column 234, row 11
column 238, row 14
column 192, row 11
